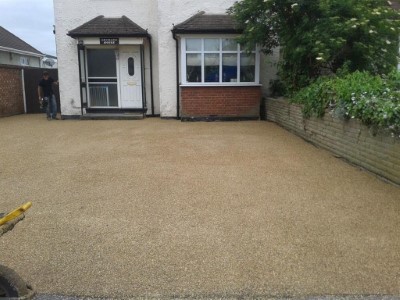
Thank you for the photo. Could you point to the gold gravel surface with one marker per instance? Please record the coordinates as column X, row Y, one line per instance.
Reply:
column 159, row 208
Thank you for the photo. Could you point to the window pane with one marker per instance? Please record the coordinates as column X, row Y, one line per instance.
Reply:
column 101, row 63
column 131, row 66
column 211, row 44
column 211, row 66
column 193, row 44
column 229, row 45
column 229, row 67
column 247, row 67
column 103, row 94
column 193, row 67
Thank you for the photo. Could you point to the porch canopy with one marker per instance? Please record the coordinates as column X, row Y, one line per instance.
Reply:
column 202, row 23
column 100, row 26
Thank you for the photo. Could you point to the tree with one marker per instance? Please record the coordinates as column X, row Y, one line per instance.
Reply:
column 322, row 36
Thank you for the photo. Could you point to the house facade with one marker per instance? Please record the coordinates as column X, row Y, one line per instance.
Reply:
column 158, row 57
column 16, row 52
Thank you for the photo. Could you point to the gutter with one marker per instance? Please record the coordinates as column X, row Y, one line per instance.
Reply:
column 177, row 77
column 21, row 52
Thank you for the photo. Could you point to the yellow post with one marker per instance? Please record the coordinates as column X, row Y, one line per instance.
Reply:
column 15, row 213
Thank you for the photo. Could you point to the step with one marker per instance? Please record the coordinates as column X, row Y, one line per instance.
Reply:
column 112, row 116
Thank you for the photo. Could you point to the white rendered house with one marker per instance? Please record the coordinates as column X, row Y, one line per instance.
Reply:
column 156, row 57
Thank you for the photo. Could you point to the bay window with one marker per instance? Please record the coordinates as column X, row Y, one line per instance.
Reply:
column 218, row 61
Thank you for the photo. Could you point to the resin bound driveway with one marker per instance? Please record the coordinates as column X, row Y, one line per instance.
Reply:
column 159, row 208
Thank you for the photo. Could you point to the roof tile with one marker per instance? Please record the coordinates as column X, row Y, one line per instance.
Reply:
column 101, row 26
column 208, row 23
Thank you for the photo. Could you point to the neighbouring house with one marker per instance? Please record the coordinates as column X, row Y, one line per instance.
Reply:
column 157, row 57
column 16, row 52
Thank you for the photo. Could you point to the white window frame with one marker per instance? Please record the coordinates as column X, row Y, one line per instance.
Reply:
column 239, row 51
column 93, row 83
column 24, row 61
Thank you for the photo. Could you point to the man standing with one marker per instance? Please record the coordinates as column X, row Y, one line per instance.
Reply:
column 45, row 90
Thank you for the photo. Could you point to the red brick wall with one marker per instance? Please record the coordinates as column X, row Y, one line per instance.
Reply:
column 241, row 101
column 11, row 97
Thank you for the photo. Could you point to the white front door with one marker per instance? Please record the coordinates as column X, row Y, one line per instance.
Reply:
column 130, row 70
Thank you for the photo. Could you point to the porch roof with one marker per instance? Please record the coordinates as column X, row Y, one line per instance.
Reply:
column 208, row 23
column 109, row 27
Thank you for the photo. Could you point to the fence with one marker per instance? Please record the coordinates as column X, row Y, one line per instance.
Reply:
column 18, row 89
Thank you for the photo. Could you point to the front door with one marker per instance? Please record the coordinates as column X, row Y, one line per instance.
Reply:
column 130, row 77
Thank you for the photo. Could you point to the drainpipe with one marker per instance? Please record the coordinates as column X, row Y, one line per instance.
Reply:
column 23, row 89
column 151, row 76
column 80, row 47
column 142, row 69
column 177, row 76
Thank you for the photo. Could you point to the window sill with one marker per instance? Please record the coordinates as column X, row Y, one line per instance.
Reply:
column 241, row 84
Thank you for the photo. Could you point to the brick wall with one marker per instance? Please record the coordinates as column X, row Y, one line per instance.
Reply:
column 221, row 102
column 349, row 139
column 11, row 97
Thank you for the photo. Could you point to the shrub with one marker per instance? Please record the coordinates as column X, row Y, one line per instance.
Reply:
column 322, row 36
column 370, row 98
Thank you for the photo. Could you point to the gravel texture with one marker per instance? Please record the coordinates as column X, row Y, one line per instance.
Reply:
column 162, row 209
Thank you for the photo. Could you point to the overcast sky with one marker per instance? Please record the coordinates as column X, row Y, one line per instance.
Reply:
column 30, row 20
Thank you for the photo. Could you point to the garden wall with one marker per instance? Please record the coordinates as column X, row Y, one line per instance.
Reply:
column 349, row 139
column 11, row 92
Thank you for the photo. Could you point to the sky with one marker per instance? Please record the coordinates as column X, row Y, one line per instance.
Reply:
column 31, row 21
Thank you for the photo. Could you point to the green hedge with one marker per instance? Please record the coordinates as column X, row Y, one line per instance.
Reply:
column 374, row 100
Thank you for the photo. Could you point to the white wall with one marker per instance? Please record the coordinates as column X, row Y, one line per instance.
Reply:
column 15, row 59
column 268, row 70
column 73, row 13
column 158, row 16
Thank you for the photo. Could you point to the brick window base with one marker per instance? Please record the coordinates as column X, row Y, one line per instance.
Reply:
column 231, row 102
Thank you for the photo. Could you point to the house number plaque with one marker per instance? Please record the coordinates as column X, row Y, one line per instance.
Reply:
column 109, row 41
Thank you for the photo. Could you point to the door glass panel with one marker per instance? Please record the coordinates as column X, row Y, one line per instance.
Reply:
column 101, row 63
column 193, row 67
column 131, row 66
column 229, row 67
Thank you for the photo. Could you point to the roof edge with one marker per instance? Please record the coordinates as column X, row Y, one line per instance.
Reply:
column 209, row 31
column 74, row 33
column 14, row 50
column 109, row 35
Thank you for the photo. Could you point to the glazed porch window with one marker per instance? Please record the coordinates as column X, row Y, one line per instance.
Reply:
column 102, row 78
column 218, row 60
